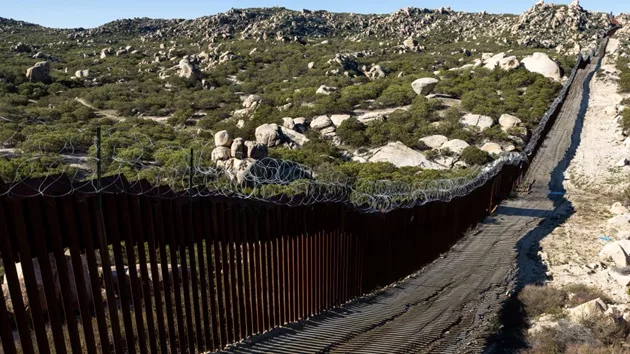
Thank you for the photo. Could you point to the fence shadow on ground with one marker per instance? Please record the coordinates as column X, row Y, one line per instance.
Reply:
column 512, row 317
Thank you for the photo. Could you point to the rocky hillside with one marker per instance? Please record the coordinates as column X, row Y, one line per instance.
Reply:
column 431, row 90
column 566, row 28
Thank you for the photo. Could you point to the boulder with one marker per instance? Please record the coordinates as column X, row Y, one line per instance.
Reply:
column 288, row 122
column 326, row 90
column 492, row 148
column 40, row 284
column 541, row 63
column 623, row 162
column 616, row 252
column 311, row 65
column 255, row 150
column 410, row 43
column 375, row 73
column 476, row 120
column 337, row 119
column 300, row 125
column 41, row 292
column 620, row 221
column 587, row 310
column 238, row 149
column 105, row 52
column 227, row 56
column 220, row 153
column 400, row 156
column 188, row 70
column 456, row 146
column 237, row 170
column 619, row 209
column 611, row 110
column 328, row 131
column 83, row 74
column 86, row 277
column 293, row 136
column 424, row 86
column 492, row 62
column 434, row 141
column 509, row 63
column 40, row 72
column 22, row 48
column 508, row 121
column 268, row 134
column 321, row 122
column 251, row 101
column 222, row 138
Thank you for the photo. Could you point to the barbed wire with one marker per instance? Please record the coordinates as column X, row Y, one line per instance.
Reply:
column 59, row 161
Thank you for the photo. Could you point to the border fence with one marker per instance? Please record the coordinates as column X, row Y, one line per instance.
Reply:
column 130, row 267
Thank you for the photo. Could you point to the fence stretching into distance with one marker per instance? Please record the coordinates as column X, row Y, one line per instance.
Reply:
column 182, row 272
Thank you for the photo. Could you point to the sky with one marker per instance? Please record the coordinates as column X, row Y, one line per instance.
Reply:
column 93, row 13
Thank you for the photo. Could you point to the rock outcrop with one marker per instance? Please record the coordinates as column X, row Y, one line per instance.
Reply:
column 40, row 72
column 424, row 86
column 476, row 120
column 434, row 141
column 541, row 63
column 400, row 155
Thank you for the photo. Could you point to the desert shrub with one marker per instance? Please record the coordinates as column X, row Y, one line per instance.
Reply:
column 624, row 77
column 625, row 119
column 624, row 82
column 495, row 134
column 542, row 299
column 397, row 95
column 352, row 132
column 432, row 154
column 180, row 116
column 472, row 155
column 598, row 334
column 580, row 293
column 314, row 153
column 586, row 348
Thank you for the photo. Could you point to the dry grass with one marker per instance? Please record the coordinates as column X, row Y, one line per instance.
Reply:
column 595, row 335
column 538, row 300
column 580, row 293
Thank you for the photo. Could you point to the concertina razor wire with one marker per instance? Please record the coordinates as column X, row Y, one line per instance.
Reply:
column 132, row 175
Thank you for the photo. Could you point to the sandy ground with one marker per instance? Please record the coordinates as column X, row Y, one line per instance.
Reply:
column 593, row 183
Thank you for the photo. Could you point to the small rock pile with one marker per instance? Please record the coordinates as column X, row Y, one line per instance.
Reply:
column 327, row 126
column 236, row 156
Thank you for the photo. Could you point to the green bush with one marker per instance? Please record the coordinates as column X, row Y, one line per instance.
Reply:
column 472, row 155
column 397, row 95
column 352, row 132
column 625, row 119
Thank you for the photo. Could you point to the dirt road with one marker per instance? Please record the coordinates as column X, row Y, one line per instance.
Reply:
column 450, row 306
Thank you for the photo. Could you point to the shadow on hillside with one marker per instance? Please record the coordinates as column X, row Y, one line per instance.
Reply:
column 512, row 318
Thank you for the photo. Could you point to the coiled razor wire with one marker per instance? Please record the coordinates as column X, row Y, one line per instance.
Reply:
column 269, row 180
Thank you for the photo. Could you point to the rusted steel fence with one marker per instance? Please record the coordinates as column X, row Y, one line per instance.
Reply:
column 188, row 275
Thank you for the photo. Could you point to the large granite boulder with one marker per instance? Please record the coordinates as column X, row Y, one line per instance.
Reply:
column 424, row 86
column 269, row 134
column 434, row 141
column 456, row 146
column 321, row 122
column 40, row 72
column 476, row 120
column 400, row 155
column 222, row 138
column 541, row 63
